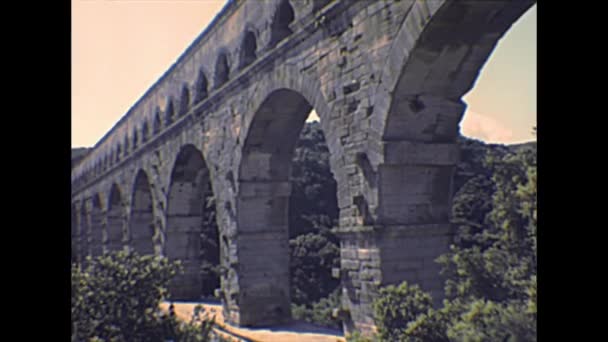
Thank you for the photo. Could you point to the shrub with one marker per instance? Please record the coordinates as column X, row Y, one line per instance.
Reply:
column 320, row 312
column 397, row 305
column 117, row 296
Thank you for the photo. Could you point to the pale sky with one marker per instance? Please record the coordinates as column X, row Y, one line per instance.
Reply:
column 120, row 48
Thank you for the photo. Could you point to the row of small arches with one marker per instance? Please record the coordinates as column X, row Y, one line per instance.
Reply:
column 284, row 16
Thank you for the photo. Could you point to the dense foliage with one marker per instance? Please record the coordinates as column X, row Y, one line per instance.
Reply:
column 313, row 212
column 116, row 297
column 491, row 268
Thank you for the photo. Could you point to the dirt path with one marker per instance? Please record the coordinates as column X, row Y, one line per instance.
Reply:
column 297, row 332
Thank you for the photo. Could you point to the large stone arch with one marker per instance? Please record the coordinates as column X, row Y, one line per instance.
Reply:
column 74, row 233
column 412, row 153
column 116, row 218
column 265, row 196
column 289, row 78
column 83, row 233
column 191, row 234
column 435, row 60
column 95, row 225
column 141, row 221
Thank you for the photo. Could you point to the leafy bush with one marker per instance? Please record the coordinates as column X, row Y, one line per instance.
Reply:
column 320, row 312
column 117, row 296
column 312, row 258
column 397, row 305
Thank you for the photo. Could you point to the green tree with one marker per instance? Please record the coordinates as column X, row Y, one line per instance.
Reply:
column 117, row 296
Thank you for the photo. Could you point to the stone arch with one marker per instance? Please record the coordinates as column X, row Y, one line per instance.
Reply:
column 118, row 152
column 201, row 90
column 95, row 225
column 412, row 153
column 135, row 138
column 75, row 234
column 83, row 233
column 126, row 145
column 222, row 70
column 156, row 127
column 249, row 48
column 169, row 112
column 116, row 216
column 289, row 78
column 263, row 198
column 184, row 100
column 145, row 131
column 191, row 233
column 141, row 221
column 279, row 27
column 439, row 51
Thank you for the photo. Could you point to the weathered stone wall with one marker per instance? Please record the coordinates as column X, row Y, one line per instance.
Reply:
column 385, row 77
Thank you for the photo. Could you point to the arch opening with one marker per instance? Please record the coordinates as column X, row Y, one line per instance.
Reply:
column 222, row 70
column 115, row 220
column 248, row 49
column 141, row 221
column 191, row 233
column 169, row 113
column 184, row 100
column 95, row 226
column 287, row 202
column 135, row 140
column 201, row 90
column 144, row 131
column 280, row 23
column 421, row 129
column 83, row 235
column 156, row 126
column 75, row 232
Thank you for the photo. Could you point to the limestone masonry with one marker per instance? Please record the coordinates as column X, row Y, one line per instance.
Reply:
column 386, row 79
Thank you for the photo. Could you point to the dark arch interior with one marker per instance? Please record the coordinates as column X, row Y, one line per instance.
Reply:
column 74, row 232
column 265, row 189
column 83, row 235
column 280, row 23
column 126, row 145
column 135, row 138
column 141, row 226
column 118, row 152
column 144, row 131
column 201, row 87
column 192, row 233
column 96, row 226
column 222, row 70
column 115, row 218
column 169, row 112
column 184, row 101
column 157, row 123
column 248, row 52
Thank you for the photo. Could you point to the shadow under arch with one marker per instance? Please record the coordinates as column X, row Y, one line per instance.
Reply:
column 95, row 226
column 191, row 233
column 141, row 221
column 75, row 233
column 116, row 215
column 83, row 234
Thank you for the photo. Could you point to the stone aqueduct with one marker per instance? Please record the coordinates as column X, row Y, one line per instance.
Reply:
column 386, row 79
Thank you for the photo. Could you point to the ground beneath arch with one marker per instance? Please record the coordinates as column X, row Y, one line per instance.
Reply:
column 295, row 332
